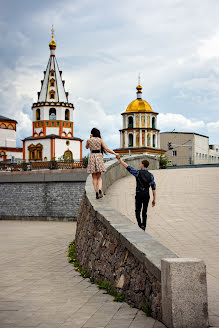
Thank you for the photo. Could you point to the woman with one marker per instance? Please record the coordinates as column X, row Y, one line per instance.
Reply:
column 95, row 162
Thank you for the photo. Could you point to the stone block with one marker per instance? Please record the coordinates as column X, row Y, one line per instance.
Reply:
column 184, row 293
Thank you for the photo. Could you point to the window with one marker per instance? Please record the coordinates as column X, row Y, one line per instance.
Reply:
column 200, row 155
column 130, row 122
column 10, row 127
column 217, row 150
column 153, row 123
column 3, row 126
column 52, row 94
column 203, row 156
column 154, row 140
column 52, row 82
column 52, row 72
column 174, row 153
column 52, row 114
column 67, row 114
column 130, row 140
column 196, row 155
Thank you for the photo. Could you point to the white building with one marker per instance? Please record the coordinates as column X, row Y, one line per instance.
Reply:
column 213, row 154
column 189, row 148
column 53, row 127
column 8, row 148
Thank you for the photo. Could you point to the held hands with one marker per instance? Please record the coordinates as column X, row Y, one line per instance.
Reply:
column 117, row 156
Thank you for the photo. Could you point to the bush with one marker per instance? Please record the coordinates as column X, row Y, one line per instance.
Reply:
column 85, row 161
column 163, row 162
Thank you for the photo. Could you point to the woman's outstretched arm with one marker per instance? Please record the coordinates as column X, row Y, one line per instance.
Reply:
column 87, row 144
column 107, row 149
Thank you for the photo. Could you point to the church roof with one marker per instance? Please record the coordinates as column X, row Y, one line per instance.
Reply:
column 52, row 83
column 51, row 136
column 139, row 105
column 3, row 118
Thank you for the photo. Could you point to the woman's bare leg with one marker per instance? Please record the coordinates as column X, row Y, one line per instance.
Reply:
column 99, row 180
column 94, row 177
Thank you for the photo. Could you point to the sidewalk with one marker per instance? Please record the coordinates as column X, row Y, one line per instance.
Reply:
column 185, row 218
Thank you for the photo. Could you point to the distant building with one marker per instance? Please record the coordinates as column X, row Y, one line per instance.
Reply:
column 8, row 149
column 139, row 134
column 214, row 154
column 188, row 148
column 53, row 128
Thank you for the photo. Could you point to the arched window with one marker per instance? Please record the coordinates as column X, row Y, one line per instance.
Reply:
column 153, row 123
column 52, row 82
column 3, row 126
column 52, row 72
column 67, row 115
column 130, row 144
column 10, row 127
column 130, row 122
column 38, row 114
column 154, row 140
column 68, row 157
column 52, row 94
column 52, row 114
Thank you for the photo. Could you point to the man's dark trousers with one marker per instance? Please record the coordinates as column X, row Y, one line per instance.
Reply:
column 141, row 203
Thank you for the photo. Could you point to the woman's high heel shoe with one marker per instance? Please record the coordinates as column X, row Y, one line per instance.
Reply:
column 97, row 195
column 100, row 194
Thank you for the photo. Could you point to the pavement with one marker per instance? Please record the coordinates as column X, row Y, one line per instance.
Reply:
column 185, row 218
column 39, row 288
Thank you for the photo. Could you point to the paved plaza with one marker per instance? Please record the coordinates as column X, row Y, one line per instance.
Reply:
column 185, row 218
column 39, row 288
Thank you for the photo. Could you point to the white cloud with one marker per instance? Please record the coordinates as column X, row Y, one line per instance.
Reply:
column 213, row 125
column 178, row 122
column 89, row 114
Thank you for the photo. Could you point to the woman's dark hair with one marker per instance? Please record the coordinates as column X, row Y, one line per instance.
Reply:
column 96, row 134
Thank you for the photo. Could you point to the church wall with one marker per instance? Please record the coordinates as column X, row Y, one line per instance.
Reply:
column 52, row 130
column 46, row 147
column 7, row 138
column 61, row 147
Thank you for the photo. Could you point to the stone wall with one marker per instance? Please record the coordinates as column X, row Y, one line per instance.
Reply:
column 41, row 195
column 113, row 248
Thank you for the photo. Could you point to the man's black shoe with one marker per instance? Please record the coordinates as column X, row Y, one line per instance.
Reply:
column 143, row 227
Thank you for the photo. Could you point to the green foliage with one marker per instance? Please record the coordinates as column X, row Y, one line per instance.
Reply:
column 105, row 285
column 163, row 162
column 111, row 291
column 85, row 161
column 146, row 309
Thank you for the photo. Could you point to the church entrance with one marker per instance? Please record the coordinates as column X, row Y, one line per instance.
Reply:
column 68, row 157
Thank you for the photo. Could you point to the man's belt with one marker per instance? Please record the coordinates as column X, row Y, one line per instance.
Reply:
column 96, row 151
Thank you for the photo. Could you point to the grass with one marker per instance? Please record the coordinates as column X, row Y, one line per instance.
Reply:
column 103, row 285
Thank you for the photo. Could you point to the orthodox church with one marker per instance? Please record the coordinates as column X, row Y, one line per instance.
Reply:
column 52, row 120
column 139, row 134
column 8, row 149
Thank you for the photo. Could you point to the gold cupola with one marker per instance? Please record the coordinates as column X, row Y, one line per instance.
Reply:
column 52, row 44
column 139, row 104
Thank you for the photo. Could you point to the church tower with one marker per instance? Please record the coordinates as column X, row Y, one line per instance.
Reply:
column 139, row 134
column 52, row 119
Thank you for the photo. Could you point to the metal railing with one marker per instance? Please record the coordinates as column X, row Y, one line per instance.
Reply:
column 38, row 165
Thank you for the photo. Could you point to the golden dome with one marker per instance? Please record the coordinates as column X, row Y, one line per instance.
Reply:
column 139, row 105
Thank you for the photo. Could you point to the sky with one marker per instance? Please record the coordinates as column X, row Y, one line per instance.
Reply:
column 102, row 46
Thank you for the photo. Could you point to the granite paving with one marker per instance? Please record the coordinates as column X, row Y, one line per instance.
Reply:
column 185, row 218
column 39, row 288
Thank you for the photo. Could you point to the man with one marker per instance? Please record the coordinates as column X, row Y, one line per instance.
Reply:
column 144, row 180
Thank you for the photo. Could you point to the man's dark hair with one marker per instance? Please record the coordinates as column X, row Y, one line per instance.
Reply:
column 145, row 163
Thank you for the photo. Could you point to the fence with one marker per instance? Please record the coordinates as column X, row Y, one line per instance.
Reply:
column 49, row 165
